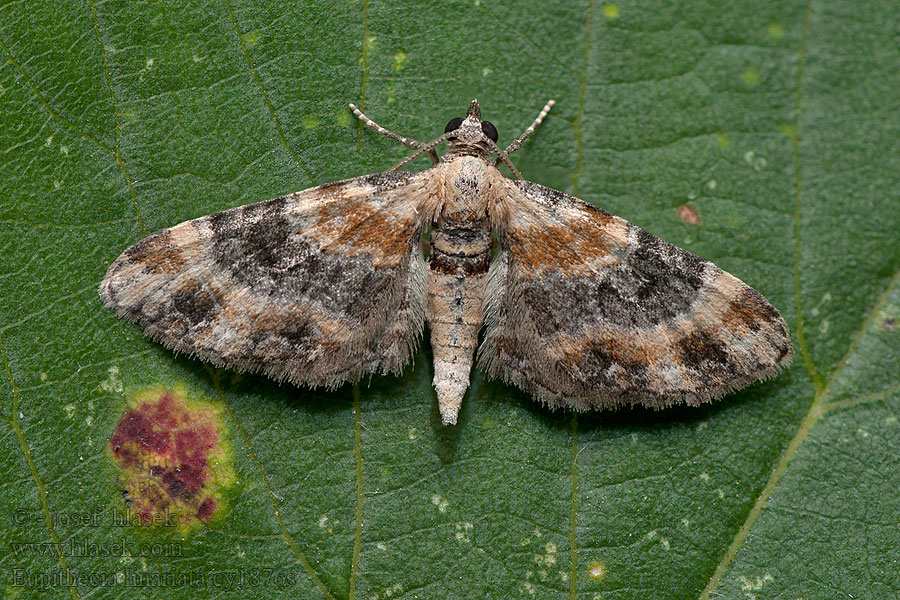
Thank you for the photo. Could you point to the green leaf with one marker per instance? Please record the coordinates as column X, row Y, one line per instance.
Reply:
column 776, row 123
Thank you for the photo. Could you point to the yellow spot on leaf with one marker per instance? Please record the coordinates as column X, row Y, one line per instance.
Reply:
column 775, row 30
column 596, row 570
column 751, row 76
column 788, row 130
column 611, row 11
column 723, row 141
column 399, row 61
column 251, row 38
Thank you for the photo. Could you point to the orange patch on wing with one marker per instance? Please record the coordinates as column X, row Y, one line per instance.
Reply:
column 569, row 247
column 352, row 226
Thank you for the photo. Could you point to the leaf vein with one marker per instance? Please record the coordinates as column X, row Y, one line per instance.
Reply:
column 285, row 534
column 112, row 92
column 36, row 477
column 256, row 78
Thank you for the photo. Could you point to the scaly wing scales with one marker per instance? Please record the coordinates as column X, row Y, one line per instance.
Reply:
column 588, row 311
column 317, row 287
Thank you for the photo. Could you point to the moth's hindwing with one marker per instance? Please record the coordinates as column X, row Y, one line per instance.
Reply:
column 317, row 287
column 588, row 311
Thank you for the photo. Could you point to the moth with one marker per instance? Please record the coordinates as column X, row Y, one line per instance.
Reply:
column 580, row 309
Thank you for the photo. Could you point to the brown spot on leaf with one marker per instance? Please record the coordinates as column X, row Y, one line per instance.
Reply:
column 688, row 214
column 166, row 450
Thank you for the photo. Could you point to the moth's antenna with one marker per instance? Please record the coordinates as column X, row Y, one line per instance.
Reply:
column 429, row 147
column 518, row 142
column 408, row 142
column 502, row 157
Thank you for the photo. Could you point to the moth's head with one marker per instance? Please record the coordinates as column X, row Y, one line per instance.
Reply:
column 470, row 135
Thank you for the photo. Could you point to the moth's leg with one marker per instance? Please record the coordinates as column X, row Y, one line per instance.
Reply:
column 518, row 142
column 405, row 141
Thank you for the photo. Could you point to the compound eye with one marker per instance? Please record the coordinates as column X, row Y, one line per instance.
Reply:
column 453, row 125
column 488, row 129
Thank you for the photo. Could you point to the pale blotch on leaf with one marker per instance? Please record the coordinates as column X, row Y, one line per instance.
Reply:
column 711, row 184
column 723, row 141
column 399, row 61
column 611, row 11
column 757, row 162
column 113, row 384
column 596, row 570
column 441, row 503
column 704, row 477
column 754, row 585
column 323, row 523
column 464, row 532
column 817, row 309
column 549, row 558
column 485, row 72
column 342, row 118
column 149, row 64
column 310, row 122
column 70, row 410
column 751, row 76
column 393, row 591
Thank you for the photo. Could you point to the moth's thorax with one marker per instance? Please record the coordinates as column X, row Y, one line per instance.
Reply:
column 467, row 185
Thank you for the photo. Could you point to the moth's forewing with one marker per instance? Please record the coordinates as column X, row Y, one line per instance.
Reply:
column 587, row 311
column 317, row 287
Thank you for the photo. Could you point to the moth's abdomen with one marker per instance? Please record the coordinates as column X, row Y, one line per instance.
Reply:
column 457, row 271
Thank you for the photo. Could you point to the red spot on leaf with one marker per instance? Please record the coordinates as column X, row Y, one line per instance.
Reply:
column 164, row 448
column 207, row 509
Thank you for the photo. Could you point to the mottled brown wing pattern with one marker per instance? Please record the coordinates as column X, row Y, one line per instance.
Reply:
column 317, row 287
column 587, row 311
